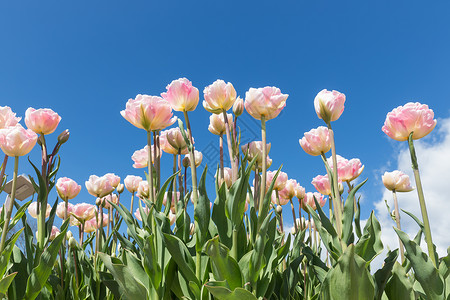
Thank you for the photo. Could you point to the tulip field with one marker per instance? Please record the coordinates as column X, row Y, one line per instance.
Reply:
column 229, row 244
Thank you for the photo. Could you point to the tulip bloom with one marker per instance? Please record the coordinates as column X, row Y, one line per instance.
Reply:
column 412, row 117
column 316, row 141
column 348, row 170
column 113, row 178
column 329, row 105
column 219, row 97
column 92, row 224
column 300, row 192
column 143, row 190
column 42, row 121
column 228, row 174
column 177, row 140
column 255, row 150
column 32, row 210
column 238, row 107
column 99, row 186
column 309, row 199
column 111, row 197
column 84, row 211
column 17, row 141
column 132, row 183
column 267, row 102
column 322, row 184
column 140, row 157
column 7, row 117
column 137, row 214
column 397, row 181
column 198, row 158
column 181, row 95
column 149, row 112
column 60, row 209
column 217, row 123
column 54, row 233
column 280, row 182
column 67, row 188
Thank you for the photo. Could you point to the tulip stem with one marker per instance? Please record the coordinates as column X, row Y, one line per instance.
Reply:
column 5, row 161
column 423, row 208
column 337, row 197
column 230, row 147
column 149, row 164
column 42, row 205
column 256, row 189
column 174, row 170
column 157, row 160
column 11, row 203
column 397, row 220
column 192, row 160
column 221, row 173
column 264, row 164
column 293, row 215
column 336, row 202
column 180, row 179
column 132, row 202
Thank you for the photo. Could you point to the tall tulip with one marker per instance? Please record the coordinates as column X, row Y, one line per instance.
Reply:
column 132, row 185
column 219, row 96
column 99, row 186
column 410, row 122
column 67, row 189
column 42, row 121
column 316, row 141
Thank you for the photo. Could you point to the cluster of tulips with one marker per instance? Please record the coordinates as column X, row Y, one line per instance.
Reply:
column 236, row 246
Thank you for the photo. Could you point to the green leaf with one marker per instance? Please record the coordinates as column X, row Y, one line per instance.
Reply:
column 425, row 272
column 152, row 268
column 202, row 213
column 223, row 224
column 6, row 254
column 223, row 266
column 399, row 286
column 180, row 254
column 370, row 245
column 220, row 292
column 349, row 279
column 349, row 209
column 40, row 274
column 382, row 275
column 257, row 260
column 162, row 192
column 5, row 282
column 357, row 220
column 130, row 287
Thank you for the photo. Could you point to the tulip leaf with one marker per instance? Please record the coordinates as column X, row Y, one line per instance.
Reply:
column 40, row 274
column 267, row 200
column 349, row 210
column 349, row 279
column 6, row 254
column 181, row 256
column 357, row 219
column 19, row 214
column 382, row 275
column 223, row 224
column 162, row 191
column 223, row 266
column 221, row 292
column 257, row 259
column 425, row 272
column 42, row 192
column 399, row 287
column 5, row 282
column 370, row 245
column 202, row 213
column 130, row 287
column 151, row 266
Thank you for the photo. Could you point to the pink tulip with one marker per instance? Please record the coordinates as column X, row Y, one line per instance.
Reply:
column 289, row 190
column 41, row 121
column 137, row 214
column 348, row 170
column 329, row 105
column 17, row 141
column 228, row 174
column 397, row 181
column 84, row 211
column 181, row 95
column 149, row 112
column 172, row 218
column 61, row 208
column 238, row 107
column 322, row 184
column 143, row 190
column 219, row 96
column 132, row 183
column 140, row 157
column 99, row 186
column 176, row 144
column 113, row 179
column 217, row 123
column 255, row 150
column 54, row 233
column 412, row 117
column 198, row 156
column 32, row 210
column 67, row 188
column 105, row 200
column 300, row 192
column 172, row 204
column 316, row 141
column 267, row 102
column 280, row 200
column 309, row 199
column 92, row 224
column 7, row 117
column 280, row 182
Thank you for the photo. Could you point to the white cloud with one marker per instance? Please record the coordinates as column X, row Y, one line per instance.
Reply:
column 434, row 165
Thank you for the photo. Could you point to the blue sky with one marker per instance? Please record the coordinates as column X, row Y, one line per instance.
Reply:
column 85, row 59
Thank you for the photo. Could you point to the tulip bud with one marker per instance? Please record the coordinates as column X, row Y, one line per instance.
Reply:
column 238, row 107
column 341, row 188
column 73, row 243
column 69, row 234
column 186, row 162
column 98, row 202
column 279, row 209
column 120, row 188
column 63, row 137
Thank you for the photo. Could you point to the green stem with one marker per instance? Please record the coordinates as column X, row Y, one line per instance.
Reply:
column 5, row 161
column 262, row 191
column 11, row 203
column 423, row 207
column 293, row 215
column 42, row 206
column 234, row 248
column 397, row 220
column 230, row 147
column 337, row 197
column 350, row 188
column 150, row 170
column 132, row 202
column 221, row 173
column 192, row 161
